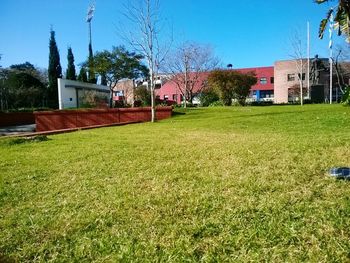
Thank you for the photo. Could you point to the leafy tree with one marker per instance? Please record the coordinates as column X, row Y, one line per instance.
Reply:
column 208, row 96
column 23, row 87
column 119, row 64
column 232, row 85
column 82, row 75
column 342, row 18
column 346, row 97
column 3, row 90
column 143, row 95
column 70, row 74
column 244, row 84
column 54, row 71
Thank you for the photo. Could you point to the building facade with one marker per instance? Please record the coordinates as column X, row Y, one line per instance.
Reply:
column 262, row 91
column 279, row 83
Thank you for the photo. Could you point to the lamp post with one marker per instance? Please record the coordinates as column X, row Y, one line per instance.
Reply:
column 90, row 15
column 331, row 25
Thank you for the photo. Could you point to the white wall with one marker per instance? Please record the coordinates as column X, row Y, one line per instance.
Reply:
column 67, row 92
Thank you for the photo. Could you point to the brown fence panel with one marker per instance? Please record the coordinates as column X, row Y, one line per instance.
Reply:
column 69, row 119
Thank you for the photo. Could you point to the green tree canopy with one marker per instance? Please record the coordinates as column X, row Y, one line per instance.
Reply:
column 23, row 87
column 54, row 72
column 82, row 75
column 232, row 85
column 118, row 64
column 91, row 66
column 70, row 74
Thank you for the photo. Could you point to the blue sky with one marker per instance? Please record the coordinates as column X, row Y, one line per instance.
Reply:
column 245, row 33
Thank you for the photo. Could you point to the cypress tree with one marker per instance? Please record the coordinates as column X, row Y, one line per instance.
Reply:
column 82, row 75
column 92, row 78
column 70, row 74
column 54, row 72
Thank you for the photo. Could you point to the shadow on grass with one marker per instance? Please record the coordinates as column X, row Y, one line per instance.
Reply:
column 5, row 259
column 177, row 113
column 21, row 140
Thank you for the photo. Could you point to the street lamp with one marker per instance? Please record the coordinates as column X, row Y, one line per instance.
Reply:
column 90, row 15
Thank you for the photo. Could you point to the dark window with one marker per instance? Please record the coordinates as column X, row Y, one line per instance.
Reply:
column 263, row 80
column 291, row 77
column 266, row 94
column 174, row 97
column 70, row 99
column 272, row 80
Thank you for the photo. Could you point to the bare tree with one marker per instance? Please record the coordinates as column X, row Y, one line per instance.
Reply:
column 187, row 65
column 298, row 54
column 144, row 35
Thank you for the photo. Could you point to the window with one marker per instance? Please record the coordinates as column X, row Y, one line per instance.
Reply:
column 272, row 80
column 174, row 97
column 263, row 80
column 119, row 93
column 266, row 94
column 166, row 97
column 291, row 77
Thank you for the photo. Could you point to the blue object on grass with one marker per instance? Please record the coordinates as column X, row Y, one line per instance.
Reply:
column 340, row 172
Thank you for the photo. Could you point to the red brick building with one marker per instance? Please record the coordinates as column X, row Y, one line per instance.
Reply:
column 263, row 90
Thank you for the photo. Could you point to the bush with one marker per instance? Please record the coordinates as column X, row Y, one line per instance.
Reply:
column 143, row 94
column 346, row 97
column 217, row 103
column 207, row 97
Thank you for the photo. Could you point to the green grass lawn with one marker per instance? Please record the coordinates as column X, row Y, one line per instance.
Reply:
column 216, row 184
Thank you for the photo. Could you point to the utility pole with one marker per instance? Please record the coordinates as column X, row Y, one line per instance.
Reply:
column 308, row 60
column 331, row 25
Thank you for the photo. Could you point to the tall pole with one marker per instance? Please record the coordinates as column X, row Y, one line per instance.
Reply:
column 90, row 14
column 90, row 38
column 331, row 58
column 308, row 60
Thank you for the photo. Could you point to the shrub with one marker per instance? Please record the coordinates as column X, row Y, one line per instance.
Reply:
column 143, row 94
column 208, row 96
column 261, row 103
column 346, row 97
column 217, row 103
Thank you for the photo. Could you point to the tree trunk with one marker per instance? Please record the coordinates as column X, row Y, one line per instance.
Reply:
column 301, row 83
column 110, row 98
column 185, row 91
column 153, row 100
